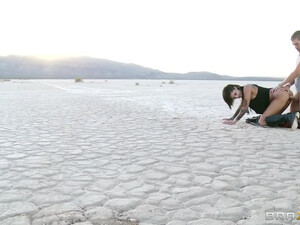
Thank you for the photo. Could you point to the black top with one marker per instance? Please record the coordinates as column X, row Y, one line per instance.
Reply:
column 262, row 100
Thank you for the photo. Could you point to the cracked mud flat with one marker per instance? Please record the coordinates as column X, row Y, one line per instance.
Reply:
column 115, row 153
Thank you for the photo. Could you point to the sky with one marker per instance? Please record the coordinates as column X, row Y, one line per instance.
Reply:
column 228, row 37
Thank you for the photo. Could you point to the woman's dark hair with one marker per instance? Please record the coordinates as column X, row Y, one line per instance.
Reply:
column 296, row 35
column 227, row 91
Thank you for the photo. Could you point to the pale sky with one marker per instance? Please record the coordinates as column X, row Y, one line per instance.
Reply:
column 229, row 37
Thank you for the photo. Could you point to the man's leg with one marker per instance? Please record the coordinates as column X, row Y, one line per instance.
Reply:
column 295, row 105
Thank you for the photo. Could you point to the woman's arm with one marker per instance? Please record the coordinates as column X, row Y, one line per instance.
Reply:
column 237, row 111
column 243, row 111
column 227, row 120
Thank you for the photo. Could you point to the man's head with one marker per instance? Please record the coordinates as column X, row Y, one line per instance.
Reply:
column 296, row 40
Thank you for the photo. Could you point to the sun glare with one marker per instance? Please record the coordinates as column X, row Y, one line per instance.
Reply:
column 169, row 35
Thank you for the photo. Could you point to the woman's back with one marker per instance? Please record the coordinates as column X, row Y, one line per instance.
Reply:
column 262, row 100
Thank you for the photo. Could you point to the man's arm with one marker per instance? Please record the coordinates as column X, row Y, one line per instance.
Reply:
column 291, row 78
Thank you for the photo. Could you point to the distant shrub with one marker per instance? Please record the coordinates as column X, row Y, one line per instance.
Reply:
column 78, row 79
column 171, row 82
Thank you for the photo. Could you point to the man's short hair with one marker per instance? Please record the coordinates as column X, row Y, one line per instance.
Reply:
column 296, row 35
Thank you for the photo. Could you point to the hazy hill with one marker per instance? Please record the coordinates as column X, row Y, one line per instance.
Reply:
column 21, row 67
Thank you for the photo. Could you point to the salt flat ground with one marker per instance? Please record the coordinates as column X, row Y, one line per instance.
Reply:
column 113, row 152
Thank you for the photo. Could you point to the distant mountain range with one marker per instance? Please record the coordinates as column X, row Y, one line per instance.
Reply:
column 24, row 67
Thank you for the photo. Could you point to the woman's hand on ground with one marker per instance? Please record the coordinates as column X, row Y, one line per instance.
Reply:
column 229, row 121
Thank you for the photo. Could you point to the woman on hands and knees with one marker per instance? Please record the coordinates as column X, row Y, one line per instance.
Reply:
column 259, row 99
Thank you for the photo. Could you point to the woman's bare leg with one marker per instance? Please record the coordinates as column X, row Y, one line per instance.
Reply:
column 280, row 102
